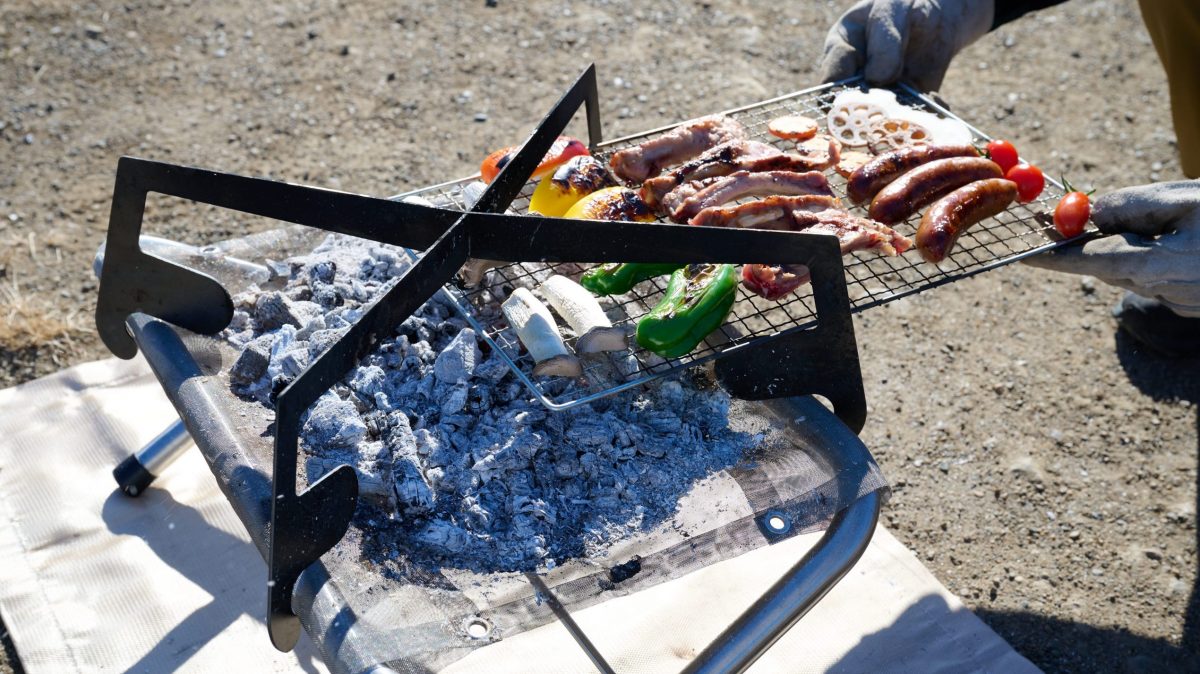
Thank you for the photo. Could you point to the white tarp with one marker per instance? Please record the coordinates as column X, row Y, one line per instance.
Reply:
column 93, row 581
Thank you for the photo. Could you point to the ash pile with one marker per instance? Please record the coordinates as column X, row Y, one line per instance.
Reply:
column 462, row 466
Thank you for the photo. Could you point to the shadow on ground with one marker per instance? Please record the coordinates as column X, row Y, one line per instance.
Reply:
column 227, row 606
column 1056, row 645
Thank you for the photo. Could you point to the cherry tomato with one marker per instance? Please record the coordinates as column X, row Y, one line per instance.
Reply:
column 1071, row 214
column 1029, row 180
column 1003, row 153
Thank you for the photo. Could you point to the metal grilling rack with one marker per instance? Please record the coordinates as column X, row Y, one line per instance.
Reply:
column 136, row 286
column 1021, row 231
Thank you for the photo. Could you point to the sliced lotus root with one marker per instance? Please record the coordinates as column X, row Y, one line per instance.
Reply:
column 893, row 134
column 824, row 151
column 793, row 127
column 850, row 162
column 851, row 122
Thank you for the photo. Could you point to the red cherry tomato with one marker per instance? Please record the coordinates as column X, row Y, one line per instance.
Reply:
column 1029, row 180
column 1003, row 153
column 1071, row 214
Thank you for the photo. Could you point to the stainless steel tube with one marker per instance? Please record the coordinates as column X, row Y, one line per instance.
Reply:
column 136, row 473
column 793, row 595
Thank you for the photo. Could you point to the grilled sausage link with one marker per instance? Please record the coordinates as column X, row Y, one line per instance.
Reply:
column 956, row 212
column 921, row 186
column 866, row 181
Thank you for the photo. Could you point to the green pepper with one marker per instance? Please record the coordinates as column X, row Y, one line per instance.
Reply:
column 616, row 278
column 698, row 299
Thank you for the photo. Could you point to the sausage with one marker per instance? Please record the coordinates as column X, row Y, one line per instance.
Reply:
column 956, row 212
column 874, row 175
column 921, row 186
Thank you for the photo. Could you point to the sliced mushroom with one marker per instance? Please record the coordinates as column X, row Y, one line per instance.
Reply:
column 536, row 329
column 474, row 270
column 583, row 313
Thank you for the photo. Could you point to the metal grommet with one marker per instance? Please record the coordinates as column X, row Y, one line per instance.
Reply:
column 477, row 628
column 776, row 522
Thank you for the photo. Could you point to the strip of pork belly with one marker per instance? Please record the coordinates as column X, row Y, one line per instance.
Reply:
column 808, row 213
column 777, row 212
column 685, row 201
column 682, row 143
column 722, row 160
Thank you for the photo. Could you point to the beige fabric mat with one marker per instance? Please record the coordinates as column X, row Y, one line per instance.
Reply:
column 92, row 581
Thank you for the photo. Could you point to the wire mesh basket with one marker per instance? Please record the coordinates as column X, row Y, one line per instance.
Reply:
column 1020, row 231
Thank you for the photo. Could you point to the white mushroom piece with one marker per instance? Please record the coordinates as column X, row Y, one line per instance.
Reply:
column 583, row 313
column 536, row 329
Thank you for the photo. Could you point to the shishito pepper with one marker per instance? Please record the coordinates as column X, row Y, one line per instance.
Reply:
column 697, row 300
column 616, row 278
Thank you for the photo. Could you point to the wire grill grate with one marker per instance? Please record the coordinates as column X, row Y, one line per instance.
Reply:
column 871, row 279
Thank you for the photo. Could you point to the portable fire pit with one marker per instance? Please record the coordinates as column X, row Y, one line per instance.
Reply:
column 808, row 470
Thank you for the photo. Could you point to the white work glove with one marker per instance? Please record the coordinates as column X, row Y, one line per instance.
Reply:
column 1154, row 249
column 914, row 40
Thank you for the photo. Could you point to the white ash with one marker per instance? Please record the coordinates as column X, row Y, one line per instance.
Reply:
column 471, row 470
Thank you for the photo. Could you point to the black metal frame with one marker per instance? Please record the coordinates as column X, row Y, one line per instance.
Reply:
column 304, row 525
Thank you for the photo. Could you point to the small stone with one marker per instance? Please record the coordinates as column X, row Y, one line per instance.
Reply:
column 1153, row 554
column 1087, row 284
column 481, row 117
column 93, row 31
column 28, row 139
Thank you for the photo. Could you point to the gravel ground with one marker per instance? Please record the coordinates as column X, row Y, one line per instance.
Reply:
column 1045, row 468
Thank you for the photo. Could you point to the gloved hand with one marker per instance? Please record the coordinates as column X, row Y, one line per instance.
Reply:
column 1155, row 247
column 890, row 40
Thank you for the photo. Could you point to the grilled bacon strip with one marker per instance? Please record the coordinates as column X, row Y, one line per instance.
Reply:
column 682, row 143
column 722, row 160
column 685, row 201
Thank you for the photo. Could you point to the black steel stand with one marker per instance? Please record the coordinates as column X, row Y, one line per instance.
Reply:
column 304, row 525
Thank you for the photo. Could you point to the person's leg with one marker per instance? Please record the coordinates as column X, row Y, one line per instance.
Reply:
column 1174, row 26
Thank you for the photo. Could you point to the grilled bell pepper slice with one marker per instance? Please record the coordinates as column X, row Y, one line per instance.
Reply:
column 697, row 300
column 574, row 180
column 611, row 203
column 616, row 278
column 564, row 148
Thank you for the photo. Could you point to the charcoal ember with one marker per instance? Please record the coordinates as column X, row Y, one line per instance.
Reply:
column 369, row 380
column 595, row 433
column 457, row 361
column 251, row 363
column 446, row 536
column 289, row 356
column 493, row 369
column 400, row 436
column 334, row 422
column 474, row 512
column 414, row 495
column 240, row 321
column 476, row 473
column 322, row 272
column 454, row 401
column 327, row 297
column 319, row 341
column 273, row 310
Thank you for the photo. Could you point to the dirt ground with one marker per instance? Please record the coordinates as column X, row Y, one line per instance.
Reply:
column 1044, row 468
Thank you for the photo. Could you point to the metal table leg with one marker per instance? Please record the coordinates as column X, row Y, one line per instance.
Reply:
column 137, row 471
column 792, row 596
